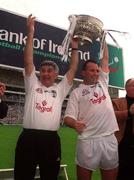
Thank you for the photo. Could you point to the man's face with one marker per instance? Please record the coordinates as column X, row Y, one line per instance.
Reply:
column 130, row 88
column 91, row 73
column 48, row 75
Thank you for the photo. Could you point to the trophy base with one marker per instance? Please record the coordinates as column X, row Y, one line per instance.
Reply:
column 83, row 39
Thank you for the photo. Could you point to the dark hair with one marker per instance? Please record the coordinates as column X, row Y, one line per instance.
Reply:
column 128, row 81
column 89, row 61
column 50, row 63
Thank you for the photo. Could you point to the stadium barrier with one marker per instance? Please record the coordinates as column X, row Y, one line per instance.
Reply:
column 7, row 174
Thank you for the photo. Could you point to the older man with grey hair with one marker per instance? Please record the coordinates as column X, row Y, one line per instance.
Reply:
column 39, row 142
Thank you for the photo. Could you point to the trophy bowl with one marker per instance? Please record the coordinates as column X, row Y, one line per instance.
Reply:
column 87, row 29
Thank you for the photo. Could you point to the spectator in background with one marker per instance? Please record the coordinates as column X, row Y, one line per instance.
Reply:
column 124, row 110
column 90, row 113
column 39, row 143
column 3, row 105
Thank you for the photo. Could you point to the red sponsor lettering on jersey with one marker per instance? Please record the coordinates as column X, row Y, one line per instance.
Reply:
column 97, row 100
column 43, row 107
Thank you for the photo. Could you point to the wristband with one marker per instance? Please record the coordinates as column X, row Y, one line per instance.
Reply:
column 74, row 49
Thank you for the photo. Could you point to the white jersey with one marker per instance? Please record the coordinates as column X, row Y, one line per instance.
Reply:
column 92, row 104
column 43, row 105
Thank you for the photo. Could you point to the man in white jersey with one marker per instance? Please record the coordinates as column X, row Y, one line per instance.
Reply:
column 39, row 143
column 90, row 113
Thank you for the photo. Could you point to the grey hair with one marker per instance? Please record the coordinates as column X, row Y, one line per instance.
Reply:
column 50, row 63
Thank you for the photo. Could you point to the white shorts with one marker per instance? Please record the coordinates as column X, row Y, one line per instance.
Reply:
column 97, row 153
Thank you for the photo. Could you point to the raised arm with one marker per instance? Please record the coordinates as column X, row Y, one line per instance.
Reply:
column 3, row 105
column 28, row 51
column 2, row 89
column 74, row 61
column 104, row 61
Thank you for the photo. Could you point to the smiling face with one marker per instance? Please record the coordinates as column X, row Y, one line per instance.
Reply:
column 130, row 88
column 48, row 75
column 90, row 73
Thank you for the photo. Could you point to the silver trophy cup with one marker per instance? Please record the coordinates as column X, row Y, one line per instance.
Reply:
column 87, row 28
